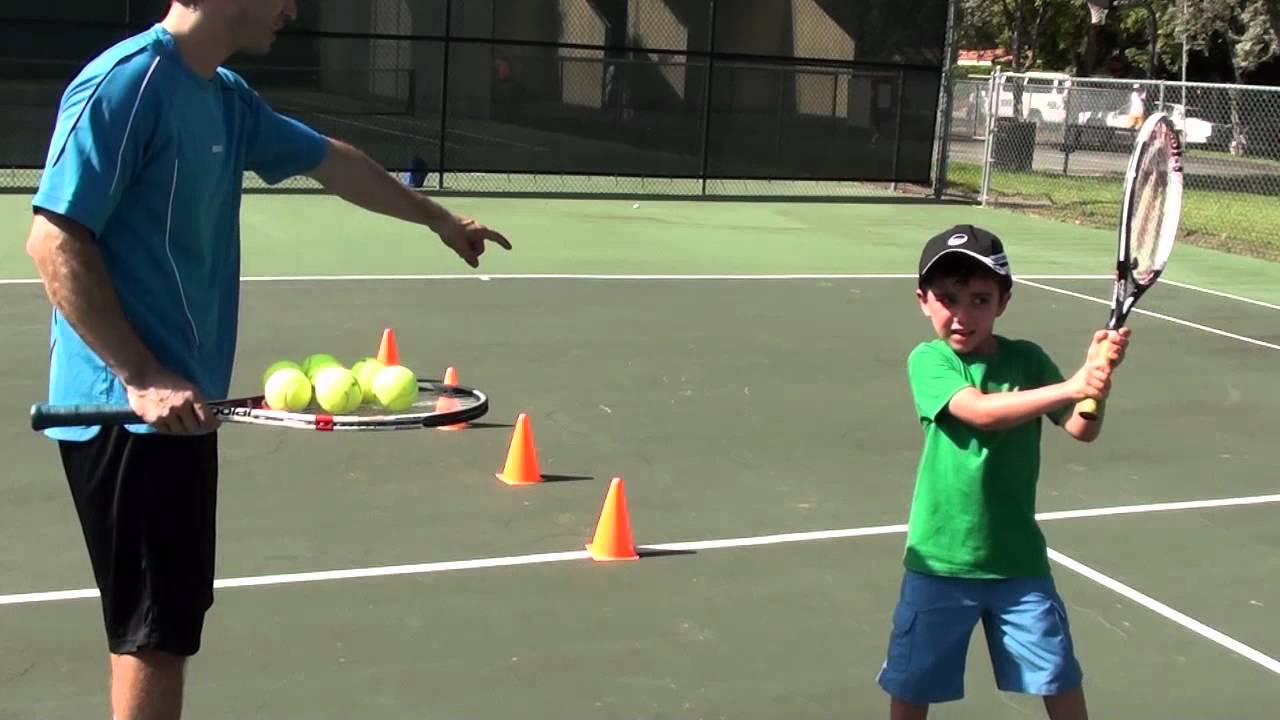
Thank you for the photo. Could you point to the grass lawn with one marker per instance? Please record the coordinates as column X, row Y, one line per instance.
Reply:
column 1238, row 222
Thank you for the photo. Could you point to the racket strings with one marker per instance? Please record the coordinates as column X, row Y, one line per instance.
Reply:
column 1149, row 215
column 429, row 400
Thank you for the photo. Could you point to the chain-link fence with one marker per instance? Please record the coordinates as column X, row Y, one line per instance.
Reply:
column 1058, row 145
column 562, row 96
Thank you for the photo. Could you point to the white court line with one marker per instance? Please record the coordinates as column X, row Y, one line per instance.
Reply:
column 1159, row 507
column 589, row 276
column 1219, row 293
column 1170, row 318
column 513, row 560
column 624, row 277
column 1160, row 608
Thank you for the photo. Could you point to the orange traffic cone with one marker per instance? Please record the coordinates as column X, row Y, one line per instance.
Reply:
column 613, row 539
column 448, row 404
column 522, row 457
column 388, row 353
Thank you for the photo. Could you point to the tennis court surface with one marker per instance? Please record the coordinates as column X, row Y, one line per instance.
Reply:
column 742, row 367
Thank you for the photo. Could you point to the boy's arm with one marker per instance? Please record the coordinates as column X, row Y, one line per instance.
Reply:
column 996, row 411
column 1108, row 348
column 1082, row 429
column 1054, row 396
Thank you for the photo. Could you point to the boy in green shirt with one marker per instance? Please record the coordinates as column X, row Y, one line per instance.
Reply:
column 974, row 551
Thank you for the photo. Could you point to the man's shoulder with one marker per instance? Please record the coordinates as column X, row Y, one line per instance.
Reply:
column 232, row 83
column 122, row 69
column 232, row 80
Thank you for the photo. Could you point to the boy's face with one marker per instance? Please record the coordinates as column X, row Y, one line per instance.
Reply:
column 964, row 312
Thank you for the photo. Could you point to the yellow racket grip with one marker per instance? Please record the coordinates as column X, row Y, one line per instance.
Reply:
column 1091, row 409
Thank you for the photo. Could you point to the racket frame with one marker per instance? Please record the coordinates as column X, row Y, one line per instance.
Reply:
column 1127, row 288
column 250, row 411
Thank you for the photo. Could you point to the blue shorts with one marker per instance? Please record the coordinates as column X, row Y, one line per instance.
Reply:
column 1028, row 637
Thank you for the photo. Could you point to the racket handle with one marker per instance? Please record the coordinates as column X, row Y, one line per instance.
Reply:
column 44, row 417
column 1089, row 408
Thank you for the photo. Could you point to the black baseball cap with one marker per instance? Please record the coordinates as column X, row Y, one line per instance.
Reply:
column 975, row 242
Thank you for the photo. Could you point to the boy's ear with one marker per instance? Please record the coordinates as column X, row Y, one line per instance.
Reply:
column 1004, row 302
column 922, row 297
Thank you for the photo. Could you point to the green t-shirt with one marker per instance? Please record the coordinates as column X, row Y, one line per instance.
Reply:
column 973, row 511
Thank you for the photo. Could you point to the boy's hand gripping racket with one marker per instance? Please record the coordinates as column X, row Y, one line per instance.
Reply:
column 1149, row 217
column 437, row 405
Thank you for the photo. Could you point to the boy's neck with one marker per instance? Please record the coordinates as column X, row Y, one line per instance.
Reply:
column 987, row 348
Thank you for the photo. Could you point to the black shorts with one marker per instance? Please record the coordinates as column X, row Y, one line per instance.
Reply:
column 147, row 505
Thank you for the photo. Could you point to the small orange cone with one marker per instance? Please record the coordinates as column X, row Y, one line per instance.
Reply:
column 613, row 539
column 449, row 404
column 522, row 457
column 388, row 353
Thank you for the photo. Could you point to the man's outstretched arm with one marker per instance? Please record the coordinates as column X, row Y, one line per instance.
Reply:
column 355, row 177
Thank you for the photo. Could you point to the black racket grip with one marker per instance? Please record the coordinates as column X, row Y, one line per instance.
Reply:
column 44, row 417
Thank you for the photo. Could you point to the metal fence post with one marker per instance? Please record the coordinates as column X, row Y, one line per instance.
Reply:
column 444, row 87
column 897, row 129
column 942, row 140
column 993, row 109
column 706, row 97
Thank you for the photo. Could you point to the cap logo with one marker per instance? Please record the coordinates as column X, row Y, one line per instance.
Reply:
column 957, row 239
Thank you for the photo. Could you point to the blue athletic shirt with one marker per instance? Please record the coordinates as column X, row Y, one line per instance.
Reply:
column 150, row 157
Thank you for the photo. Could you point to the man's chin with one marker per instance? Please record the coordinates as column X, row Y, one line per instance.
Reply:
column 262, row 47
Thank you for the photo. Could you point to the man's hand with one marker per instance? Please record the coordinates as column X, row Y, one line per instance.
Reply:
column 466, row 237
column 353, row 176
column 170, row 404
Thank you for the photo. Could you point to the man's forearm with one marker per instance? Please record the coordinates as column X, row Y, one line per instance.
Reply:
column 354, row 177
column 77, row 283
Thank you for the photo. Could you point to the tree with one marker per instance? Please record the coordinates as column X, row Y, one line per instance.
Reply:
column 1248, row 28
column 1137, row 29
column 1036, row 32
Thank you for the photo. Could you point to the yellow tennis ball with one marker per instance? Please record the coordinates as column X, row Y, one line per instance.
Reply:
column 337, row 390
column 288, row 389
column 365, row 371
column 395, row 387
column 279, row 365
column 317, row 362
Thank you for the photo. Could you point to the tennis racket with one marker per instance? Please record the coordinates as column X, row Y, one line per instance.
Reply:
column 1149, row 217
column 437, row 405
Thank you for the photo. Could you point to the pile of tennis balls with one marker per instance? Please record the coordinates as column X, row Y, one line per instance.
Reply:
column 321, row 378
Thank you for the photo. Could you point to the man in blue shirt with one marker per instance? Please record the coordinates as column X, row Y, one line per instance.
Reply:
column 136, row 236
